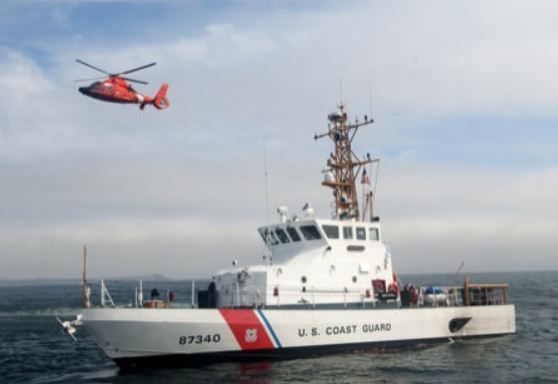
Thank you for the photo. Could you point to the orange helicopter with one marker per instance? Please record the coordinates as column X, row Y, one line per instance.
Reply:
column 116, row 88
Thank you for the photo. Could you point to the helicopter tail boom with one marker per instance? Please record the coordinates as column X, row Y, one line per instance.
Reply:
column 160, row 100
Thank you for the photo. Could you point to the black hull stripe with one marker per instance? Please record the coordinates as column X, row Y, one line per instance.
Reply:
column 188, row 360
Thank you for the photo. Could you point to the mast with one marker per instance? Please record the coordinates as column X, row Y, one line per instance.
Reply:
column 343, row 164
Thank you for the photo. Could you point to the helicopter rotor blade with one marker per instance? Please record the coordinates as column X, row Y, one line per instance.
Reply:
column 92, row 67
column 89, row 79
column 135, row 81
column 137, row 69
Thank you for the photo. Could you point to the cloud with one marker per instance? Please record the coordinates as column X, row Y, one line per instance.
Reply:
column 490, row 220
column 425, row 63
column 456, row 89
column 164, row 216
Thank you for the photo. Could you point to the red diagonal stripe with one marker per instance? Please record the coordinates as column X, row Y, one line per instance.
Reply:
column 247, row 328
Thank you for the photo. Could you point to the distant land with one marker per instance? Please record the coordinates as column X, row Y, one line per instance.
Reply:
column 159, row 277
column 74, row 281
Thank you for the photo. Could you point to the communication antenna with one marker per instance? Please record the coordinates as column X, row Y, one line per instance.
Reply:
column 370, row 99
column 340, row 91
column 371, row 195
column 266, row 188
column 266, row 184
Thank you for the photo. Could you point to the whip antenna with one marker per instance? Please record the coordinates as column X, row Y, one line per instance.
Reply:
column 340, row 91
column 266, row 184
column 370, row 99
column 457, row 272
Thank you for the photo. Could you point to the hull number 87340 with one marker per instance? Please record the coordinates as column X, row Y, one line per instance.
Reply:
column 199, row 339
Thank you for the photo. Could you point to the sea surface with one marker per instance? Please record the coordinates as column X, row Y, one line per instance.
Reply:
column 34, row 350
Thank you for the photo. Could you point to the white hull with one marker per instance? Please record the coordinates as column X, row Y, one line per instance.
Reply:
column 132, row 334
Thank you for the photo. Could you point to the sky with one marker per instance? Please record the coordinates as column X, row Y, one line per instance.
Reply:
column 463, row 95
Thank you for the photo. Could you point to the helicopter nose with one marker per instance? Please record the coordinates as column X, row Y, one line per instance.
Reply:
column 82, row 90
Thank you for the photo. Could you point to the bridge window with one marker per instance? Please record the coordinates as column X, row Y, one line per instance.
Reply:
column 348, row 233
column 374, row 234
column 310, row 232
column 331, row 231
column 282, row 235
column 293, row 234
column 360, row 233
column 269, row 237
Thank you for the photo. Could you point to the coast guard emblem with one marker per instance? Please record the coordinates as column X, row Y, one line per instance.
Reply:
column 251, row 335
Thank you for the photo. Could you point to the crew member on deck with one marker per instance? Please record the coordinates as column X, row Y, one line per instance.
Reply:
column 154, row 294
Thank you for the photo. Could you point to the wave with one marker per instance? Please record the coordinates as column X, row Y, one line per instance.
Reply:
column 61, row 312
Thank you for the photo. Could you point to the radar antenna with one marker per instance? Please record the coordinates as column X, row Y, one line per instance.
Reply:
column 344, row 165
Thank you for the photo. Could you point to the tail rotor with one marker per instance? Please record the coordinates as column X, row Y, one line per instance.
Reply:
column 161, row 101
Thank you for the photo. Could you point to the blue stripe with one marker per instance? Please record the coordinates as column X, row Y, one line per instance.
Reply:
column 268, row 326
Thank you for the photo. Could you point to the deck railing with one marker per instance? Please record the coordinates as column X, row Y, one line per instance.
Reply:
column 465, row 295
column 485, row 294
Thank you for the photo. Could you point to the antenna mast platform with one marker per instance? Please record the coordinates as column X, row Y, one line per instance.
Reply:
column 344, row 165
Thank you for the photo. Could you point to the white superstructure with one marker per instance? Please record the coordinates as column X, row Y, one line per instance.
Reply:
column 314, row 262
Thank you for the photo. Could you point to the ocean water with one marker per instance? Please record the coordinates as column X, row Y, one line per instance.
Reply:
column 34, row 350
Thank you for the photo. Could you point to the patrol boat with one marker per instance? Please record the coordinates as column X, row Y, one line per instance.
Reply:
column 327, row 286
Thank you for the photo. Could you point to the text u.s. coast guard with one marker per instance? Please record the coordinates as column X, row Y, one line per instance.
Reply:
column 349, row 329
